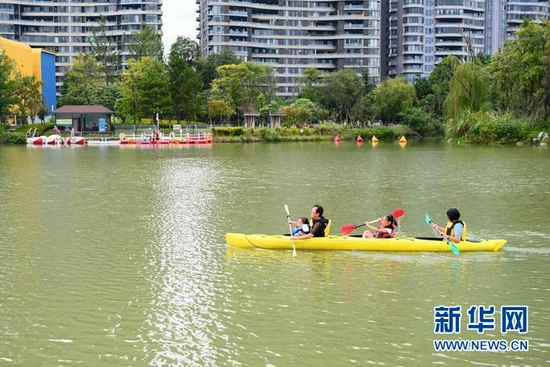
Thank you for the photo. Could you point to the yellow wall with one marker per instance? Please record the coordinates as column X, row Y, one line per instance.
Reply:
column 22, row 55
column 37, row 63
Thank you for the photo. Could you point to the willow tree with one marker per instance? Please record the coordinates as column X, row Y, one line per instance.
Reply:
column 467, row 90
column 440, row 79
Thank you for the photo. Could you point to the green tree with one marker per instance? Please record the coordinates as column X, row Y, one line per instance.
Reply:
column 342, row 92
column 106, row 51
column 242, row 83
column 84, row 83
column 108, row 96
column 521, row 72
column 207, row 67
column 143, row 90
column 186, row 49
column 29, row 97
column 366, row 108
column 422, row 86
column 300, row 112
column 266, row 109
column 185, row 84
column 468, row 90
column 8, row 84
column 219, row 110
column 311, row 85
column 368, row 82
column 128, row 85
column 392, row 97
column 145, row 43
column 155, row 96
column 421, row 121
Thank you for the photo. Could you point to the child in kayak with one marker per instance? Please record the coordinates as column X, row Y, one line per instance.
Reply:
column 302, row 227
column 387, row 228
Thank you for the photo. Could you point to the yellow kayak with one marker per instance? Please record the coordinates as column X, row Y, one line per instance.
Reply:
column 356, row 243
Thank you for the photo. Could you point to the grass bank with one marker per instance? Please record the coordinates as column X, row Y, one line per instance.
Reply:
column 315, row 133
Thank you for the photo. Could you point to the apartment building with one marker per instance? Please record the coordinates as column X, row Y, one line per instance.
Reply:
column 65, row 26
column 424, row 32
column 293, row 36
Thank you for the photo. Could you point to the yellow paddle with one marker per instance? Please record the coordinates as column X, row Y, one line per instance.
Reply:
column 290, row 228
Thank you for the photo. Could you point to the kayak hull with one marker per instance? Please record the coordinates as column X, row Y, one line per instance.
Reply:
column 351, row 243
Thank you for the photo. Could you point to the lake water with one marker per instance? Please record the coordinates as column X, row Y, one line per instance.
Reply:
column 117, row 256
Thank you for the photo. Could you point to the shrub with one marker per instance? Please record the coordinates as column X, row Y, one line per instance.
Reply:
column 500, row 129
column 268, row 134
column 327, row 129
column 228, row 131
column 17, row 138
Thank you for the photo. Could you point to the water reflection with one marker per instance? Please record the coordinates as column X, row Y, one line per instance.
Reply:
column 184, row 272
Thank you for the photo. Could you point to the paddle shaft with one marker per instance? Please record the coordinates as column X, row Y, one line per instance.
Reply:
column 364, row 224
column 347, row 228
column 453, row 247
column 290, row 229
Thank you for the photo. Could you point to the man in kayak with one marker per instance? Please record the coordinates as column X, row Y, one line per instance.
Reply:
column 455, row 229
column 319, row 224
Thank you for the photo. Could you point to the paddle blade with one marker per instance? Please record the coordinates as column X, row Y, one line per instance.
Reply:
column 348, row 228
column 398, row 213
column 454, row 248
column 428, row 219
column 287, row 211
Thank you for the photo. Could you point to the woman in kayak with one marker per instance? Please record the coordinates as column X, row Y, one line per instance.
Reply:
column 455, row 230
column 387, row 228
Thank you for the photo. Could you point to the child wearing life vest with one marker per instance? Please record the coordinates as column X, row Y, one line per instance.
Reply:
column 387, row 228
column 302, row 227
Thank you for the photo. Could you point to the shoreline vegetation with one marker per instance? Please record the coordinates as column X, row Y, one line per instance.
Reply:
column 493, row 132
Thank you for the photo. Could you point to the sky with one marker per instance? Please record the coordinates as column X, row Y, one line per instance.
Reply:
column 178, row 18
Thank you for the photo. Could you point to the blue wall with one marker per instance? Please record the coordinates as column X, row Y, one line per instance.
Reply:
column 48, row 80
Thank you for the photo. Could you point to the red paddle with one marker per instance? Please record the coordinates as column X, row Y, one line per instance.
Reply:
column 348, row 228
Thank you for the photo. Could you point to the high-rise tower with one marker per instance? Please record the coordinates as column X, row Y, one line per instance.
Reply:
column 65, row 26
column 293, row 36
column 424, row 32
